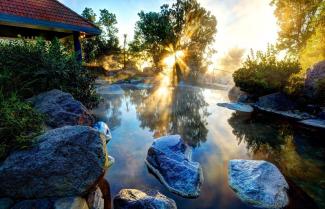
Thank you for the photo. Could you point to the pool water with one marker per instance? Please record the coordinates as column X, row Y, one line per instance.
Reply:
column 217, row 135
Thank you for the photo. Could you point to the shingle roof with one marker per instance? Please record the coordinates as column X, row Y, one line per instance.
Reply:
column 47, row 13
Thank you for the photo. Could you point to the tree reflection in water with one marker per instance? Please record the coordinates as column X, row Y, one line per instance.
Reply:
column 298, row 153
column 109, row 110
column 167, row 110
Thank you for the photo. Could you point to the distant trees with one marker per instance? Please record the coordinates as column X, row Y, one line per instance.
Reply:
column 298, row 20
column 183, row 26
column 107, row 42
column 302, row 29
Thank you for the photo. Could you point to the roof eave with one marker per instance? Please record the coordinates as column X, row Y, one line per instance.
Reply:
column 47, row 25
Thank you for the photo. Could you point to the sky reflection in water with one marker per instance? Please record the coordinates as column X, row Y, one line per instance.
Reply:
column 217, row 135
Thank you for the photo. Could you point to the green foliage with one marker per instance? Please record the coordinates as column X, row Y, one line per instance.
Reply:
column 19, row 124
column 295, row 85
column 262, row 73
column 31, row 67
column 105, row 44
column 184, row 26
column 314, row 50
column 298, row 20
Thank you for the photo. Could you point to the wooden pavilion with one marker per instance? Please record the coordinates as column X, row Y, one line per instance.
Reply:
column 45, row 18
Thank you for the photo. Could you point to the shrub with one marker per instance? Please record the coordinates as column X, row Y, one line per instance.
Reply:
column 262, row 73
column 295, row 85
column 19, row 124
column 31, row 67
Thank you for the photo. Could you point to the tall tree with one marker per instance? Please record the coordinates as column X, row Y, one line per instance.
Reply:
column 89, row 14
column 105, row 44
column 298, row 20
column 183, row 26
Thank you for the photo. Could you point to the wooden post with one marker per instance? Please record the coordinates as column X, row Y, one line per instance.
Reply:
column 77, row 46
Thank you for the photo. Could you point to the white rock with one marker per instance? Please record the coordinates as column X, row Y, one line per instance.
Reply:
column 319, row 123
column 237, row 106
column 258, row 183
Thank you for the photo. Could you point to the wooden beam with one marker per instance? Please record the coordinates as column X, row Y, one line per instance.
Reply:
column 77, row 46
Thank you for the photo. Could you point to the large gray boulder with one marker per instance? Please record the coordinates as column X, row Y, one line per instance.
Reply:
column 280, row 104
column 276, row 101
column 314, row 74
column 53, row 203
column 61, row 109
column 135, row 199
column 258, row 183
column 170, row 159
column 34, row 204
column 66, row 161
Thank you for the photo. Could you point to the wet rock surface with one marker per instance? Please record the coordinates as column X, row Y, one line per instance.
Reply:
column 258, row 183
column 316, row 122
column 103, row 128
column 169, row 158
column 314, row 74
column 277, row 101
column 280, row 104
column 136, row 199
column 61, row 109
column 65, row 162
column 241, row 107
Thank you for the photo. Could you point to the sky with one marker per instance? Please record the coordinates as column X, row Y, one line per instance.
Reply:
column 242, row 24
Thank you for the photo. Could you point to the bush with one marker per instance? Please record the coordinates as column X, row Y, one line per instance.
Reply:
column 19, row 124
column 31, row 67
column 295, row 85
column 262, row 73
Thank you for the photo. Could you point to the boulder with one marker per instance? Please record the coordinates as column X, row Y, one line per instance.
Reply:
column 6, row 203
column 110, row 89
column 103, row 128
column 316, row 122
column 241, row 107
column 314, row 74
column 61, row 109
column 258, row 183
column 135, row 199
column 34, row 204
column 95, row 199
column 321, row 114
column 276, row 101
column 169, row 158
column 66, row 161
column 280, row 104
column 71, row 203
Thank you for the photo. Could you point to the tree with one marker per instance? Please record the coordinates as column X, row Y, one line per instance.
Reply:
column 89, row 14
column 185, row 26
column 298, row 20
column 105, row 44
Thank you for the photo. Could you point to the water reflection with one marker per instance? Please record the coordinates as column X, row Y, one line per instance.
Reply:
column 218, row 134
column 109, row 110
column 179, row 110
column 298, row 154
